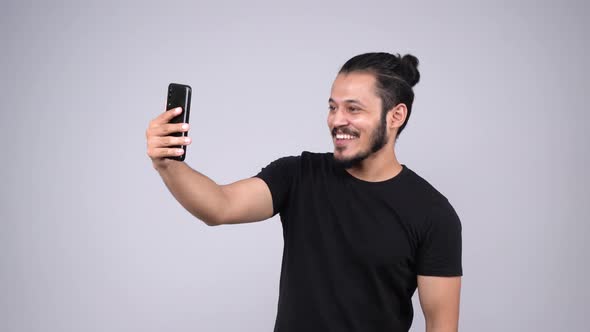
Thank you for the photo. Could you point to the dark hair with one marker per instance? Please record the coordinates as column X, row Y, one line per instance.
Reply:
column 395, row 76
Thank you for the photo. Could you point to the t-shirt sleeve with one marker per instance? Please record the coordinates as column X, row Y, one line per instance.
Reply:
column 279, row 176
column 439, row 253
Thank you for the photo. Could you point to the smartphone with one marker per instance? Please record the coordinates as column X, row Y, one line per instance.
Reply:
column 179, row 95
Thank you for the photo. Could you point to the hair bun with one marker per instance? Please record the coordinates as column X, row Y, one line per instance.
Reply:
column 408, row 69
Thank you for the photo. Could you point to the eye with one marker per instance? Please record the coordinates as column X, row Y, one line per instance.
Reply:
column 331, row 107
column 353, row 109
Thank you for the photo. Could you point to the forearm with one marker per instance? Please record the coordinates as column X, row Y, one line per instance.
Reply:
column 197, row 193
column 442, row 329
column 441, row 325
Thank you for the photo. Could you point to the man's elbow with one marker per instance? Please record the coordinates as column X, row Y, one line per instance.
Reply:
column 216, row 219
column 211, row 223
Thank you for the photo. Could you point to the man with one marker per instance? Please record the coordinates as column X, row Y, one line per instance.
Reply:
column 361, row 230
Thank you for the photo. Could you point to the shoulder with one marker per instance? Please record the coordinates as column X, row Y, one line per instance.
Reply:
column 307, row 156
column 304, row 161
column 316, row 164
column 421, row 194
column 421, row 189
column 437, row 223
column 316, row 158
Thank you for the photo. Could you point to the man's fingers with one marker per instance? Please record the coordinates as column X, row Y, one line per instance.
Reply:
column 160, row 141
column 169, row 152
column 166, row 116
column 166, row 129
column 164, row 152
column 170, row 128
column 155, row 143
column 173, row 141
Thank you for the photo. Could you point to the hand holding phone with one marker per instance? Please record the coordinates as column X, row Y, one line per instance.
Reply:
column 167, row 134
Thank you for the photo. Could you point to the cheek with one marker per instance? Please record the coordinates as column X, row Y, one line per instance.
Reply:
column 366, row 130
column 359, row 124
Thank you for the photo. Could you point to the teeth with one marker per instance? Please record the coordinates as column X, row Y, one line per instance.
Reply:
column 344, row 136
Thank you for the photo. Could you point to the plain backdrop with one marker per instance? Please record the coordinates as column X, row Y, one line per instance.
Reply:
column 91, row 240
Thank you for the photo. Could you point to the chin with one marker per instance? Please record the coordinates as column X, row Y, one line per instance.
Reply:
column 348, row 161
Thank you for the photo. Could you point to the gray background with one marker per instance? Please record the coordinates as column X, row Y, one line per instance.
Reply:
column 91, row 240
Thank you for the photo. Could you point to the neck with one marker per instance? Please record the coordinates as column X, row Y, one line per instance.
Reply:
column 380, row 166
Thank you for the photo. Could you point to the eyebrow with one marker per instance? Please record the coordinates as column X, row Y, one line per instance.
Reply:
column 350, row 101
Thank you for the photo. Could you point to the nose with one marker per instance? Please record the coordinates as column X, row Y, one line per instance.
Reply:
column 337, row 118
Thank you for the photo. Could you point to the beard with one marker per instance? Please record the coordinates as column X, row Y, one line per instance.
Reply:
column 377, row 142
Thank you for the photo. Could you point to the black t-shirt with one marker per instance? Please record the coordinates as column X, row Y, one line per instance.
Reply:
column 353, row 249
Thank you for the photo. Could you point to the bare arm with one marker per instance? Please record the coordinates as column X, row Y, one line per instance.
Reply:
column 439, row 299
column 243, row 201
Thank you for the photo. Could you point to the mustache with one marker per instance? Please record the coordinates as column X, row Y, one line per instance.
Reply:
column 344, row 130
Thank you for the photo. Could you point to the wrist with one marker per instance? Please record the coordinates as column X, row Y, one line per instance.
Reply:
column 163, row 164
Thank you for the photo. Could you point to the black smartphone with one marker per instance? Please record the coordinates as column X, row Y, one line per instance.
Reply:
column 179, row 95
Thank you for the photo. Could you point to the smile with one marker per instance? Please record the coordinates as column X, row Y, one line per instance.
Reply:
column 345, row 136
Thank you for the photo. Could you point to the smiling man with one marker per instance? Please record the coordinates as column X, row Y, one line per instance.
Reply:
column 362, row 232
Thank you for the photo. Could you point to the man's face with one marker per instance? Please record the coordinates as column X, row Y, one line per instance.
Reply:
column 355, row 122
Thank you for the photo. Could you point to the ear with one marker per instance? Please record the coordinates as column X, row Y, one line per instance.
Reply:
column 397, row 116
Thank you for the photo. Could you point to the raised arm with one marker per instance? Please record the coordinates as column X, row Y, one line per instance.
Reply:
column 247, row 200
